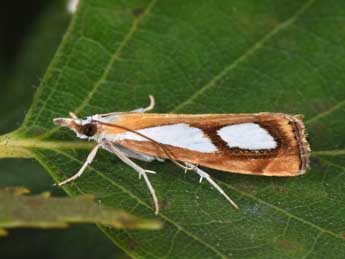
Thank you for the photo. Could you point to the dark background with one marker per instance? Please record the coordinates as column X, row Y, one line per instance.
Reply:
column 16, row 20
column 30, row 32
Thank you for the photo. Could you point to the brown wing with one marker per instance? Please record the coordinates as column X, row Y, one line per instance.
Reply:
column 288, row 158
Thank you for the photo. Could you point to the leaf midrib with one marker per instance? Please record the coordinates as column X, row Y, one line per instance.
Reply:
column 22, row 147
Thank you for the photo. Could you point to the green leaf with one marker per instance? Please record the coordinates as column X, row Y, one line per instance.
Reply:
column 22, row 78
column 43, row 211
column 203, row 57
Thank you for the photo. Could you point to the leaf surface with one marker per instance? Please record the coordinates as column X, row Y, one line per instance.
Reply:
column 204, row 57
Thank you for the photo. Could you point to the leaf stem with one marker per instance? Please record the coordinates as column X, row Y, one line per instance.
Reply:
column 14, row 146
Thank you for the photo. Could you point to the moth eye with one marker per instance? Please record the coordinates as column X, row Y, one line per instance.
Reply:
column 89, row 129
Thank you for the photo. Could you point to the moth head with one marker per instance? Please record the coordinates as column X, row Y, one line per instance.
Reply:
column 84, row 128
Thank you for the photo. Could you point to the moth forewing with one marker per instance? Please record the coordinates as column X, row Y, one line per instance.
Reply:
column 269, row 144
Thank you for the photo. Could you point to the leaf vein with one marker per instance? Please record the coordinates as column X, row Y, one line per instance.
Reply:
column 251, row 51
column 117, row 53
column 326, row 113
column 313, row 245
column 134, row 27
column 283, row 211
column 178, row 227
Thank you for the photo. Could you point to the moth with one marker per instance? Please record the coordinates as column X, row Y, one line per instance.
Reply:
column 266, row 144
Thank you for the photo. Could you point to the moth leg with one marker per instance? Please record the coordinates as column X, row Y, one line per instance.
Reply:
column 142, row 172
column 204, row 175
column 88, row 161
column 148, row 108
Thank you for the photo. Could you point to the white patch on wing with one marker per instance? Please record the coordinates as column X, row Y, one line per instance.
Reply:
column 178, row 135
column 247, row 136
